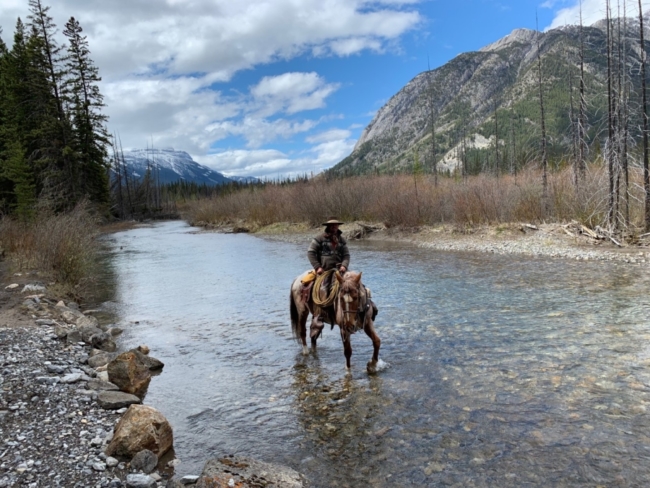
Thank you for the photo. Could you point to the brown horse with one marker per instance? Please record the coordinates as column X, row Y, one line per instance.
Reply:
column 353, row 310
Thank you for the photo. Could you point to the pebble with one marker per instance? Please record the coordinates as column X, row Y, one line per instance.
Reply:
column 50, row 417
column 140, row 481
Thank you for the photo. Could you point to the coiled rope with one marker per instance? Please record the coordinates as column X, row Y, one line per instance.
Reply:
column 333, row 290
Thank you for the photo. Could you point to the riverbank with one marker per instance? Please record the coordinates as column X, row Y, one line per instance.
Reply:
column 566, row 241
column 53, row 433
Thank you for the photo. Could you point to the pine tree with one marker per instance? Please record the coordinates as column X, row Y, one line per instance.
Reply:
column 89, row 130
column 24, row 92
column 60, row 174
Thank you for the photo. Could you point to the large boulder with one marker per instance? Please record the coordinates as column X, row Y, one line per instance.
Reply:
column 129, row 373
column 247, row 472
column 141, row 427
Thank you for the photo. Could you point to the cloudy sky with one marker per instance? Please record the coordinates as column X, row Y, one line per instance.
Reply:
column 276, row 87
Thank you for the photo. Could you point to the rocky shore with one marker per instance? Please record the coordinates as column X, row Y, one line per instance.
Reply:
column 70, row 406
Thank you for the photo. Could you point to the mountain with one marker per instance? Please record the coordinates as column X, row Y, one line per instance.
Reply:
column 492, row 94
column 173, row 166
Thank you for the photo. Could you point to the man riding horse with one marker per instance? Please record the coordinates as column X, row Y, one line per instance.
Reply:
column 327, row 251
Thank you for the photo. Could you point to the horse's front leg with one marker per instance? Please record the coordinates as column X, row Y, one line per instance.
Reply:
column 347, row 347
column 303, row 333
column 369, row 329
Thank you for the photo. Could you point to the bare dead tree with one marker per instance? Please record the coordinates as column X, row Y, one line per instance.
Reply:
column 573, row 126
column 433, row 126
column 646, row 173
column 543, row 128
column 582, row 110
column 609, row 148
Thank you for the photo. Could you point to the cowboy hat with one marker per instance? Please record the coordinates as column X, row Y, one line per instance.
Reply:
column 332, row 221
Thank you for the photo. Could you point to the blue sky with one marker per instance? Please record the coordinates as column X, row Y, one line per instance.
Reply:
column 273, row 88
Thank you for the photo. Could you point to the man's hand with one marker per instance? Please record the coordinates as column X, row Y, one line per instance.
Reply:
column 342, row 269
column 319, row 271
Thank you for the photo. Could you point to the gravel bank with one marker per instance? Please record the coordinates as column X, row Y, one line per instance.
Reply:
column 547, row 240
column 53, row 432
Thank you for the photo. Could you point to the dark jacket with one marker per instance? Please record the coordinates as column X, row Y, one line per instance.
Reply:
column 321, row 254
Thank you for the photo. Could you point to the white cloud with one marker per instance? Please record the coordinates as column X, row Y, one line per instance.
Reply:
column 165, row 66
column 592, row 11
column 330, row 147
column 291, row 93
column 222, row 37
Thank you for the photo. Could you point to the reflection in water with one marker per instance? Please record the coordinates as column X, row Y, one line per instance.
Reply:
column 504, row 371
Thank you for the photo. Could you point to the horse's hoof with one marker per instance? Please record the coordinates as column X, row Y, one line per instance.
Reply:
column 371, row 367
column 305, row 351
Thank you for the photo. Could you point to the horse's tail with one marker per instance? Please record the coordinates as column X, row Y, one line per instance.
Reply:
column 295, row 317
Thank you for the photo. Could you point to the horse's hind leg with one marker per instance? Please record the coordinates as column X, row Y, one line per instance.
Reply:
column 369, row 329
column 347, row 347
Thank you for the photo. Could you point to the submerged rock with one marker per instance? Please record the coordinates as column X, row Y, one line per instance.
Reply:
column 247, row 472
column 145, row 461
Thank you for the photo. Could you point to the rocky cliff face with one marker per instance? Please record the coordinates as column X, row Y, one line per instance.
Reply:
column 488, row 95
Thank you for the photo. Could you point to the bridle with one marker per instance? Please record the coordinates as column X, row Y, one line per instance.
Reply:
column 344, row 304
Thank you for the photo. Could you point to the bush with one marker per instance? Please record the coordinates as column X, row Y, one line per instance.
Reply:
column 62, row 246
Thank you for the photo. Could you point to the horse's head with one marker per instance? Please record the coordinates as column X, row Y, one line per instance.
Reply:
column 349, row 299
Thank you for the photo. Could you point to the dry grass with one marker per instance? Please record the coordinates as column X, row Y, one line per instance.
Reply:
column 395, row 201
column 64, row 246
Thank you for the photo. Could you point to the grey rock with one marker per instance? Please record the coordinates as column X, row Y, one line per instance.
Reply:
column 115, row 331
column 102, row 385
column 111, row 462
column 70, row 316
column 145, row 461
column 114, row 400
column 45, row 322
column 103, row 341
column 99, row 466
column 101, row 359
column 72, row 378
column 87, row 321
column 53, row 368
column 189, row 480
column 87, row 331
column 140, row 481
column 73, row 336
column 60, row 331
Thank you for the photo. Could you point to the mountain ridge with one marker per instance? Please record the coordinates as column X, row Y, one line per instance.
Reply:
column 471, row 93
column 172, row 165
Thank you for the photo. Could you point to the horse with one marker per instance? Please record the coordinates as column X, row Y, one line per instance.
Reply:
column 353, row 310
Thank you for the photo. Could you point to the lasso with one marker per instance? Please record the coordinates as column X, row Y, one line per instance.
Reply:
column 333, row 291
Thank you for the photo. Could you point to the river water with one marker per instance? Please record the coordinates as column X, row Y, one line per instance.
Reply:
column 500, row 370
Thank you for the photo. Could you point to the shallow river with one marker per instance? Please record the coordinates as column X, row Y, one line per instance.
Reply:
column 501, row 371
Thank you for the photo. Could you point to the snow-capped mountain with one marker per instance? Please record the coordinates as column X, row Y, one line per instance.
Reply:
column 171, row 166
